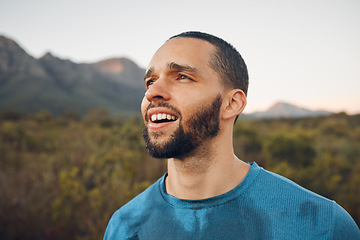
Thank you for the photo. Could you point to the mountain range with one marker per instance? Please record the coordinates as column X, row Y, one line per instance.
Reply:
column 49, row 83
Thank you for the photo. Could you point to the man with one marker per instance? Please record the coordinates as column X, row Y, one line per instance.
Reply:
column 196, row 87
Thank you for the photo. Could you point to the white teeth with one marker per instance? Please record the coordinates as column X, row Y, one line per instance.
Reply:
column 162, row 116
column 153, row 118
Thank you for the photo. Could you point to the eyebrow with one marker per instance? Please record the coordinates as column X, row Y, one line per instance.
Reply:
column 172, row 66
column 175, row 66
column 148, row 73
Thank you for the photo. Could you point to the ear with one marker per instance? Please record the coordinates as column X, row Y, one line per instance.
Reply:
column 235, row 103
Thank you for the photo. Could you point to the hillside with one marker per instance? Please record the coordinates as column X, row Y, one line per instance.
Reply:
column 29, row 85
column 57, row 172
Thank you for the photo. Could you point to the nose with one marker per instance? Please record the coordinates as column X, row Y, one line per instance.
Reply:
column 159, row 90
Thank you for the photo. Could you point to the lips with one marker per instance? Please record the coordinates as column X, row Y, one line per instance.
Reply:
column 160, row 117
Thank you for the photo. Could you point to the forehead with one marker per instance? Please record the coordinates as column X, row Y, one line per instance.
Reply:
column 181, row 50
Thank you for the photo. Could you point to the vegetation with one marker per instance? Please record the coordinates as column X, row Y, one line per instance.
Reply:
column 63, row 177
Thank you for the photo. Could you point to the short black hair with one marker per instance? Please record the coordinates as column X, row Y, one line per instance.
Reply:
column 227, row 61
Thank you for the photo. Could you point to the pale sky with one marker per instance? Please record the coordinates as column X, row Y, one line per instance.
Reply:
column 305, row 52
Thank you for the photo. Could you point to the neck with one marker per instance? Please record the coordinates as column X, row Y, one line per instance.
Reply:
column 211, row 171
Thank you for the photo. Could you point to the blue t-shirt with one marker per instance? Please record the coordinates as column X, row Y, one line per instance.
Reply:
column 263, row 206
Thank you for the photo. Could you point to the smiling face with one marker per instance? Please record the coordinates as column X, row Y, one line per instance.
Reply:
column 181, row 108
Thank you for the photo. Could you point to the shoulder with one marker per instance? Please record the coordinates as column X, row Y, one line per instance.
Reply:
column 298, row 206
column 286, row 188
column 126, row 221
column 344, row 226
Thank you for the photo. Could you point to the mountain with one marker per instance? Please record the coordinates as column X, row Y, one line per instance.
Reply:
column 286, row 110
column 122, row 69
column 13, row 59
column 50, row 83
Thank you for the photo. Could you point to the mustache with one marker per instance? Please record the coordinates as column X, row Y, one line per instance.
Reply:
column 161, row 104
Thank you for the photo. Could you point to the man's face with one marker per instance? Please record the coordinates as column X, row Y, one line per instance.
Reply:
column 181, row 108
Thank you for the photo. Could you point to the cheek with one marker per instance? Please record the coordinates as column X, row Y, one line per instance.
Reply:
column 144, row 105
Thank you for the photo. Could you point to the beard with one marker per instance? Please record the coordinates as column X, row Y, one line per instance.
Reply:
column 204, row 125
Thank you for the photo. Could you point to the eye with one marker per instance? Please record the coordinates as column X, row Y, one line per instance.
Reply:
column 183, row 77
column 149, row 82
